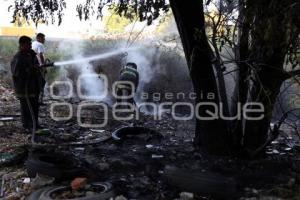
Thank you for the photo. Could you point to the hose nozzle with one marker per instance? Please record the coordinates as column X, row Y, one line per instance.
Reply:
column 48, row 63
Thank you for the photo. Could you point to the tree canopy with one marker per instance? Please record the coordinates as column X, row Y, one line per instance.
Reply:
column 45, row 10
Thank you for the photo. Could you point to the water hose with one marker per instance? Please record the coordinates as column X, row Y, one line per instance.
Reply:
column 31, row 112
column 48, row 63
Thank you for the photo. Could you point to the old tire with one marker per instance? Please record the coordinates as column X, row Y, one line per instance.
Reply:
column 36, row 194
column 106, row 192
column 53, row 165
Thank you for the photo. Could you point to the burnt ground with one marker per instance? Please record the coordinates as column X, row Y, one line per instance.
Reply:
column 144, row 169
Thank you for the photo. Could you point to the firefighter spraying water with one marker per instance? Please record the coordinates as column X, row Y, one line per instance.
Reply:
column 25, row 68
column 127, row 84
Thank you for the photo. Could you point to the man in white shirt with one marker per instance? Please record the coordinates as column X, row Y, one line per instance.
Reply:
column 38, row 47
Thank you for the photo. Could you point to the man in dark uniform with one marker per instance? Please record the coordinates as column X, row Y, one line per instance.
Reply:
column 130, row 74
column 26, row 76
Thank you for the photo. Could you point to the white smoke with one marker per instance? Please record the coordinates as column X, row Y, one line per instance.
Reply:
column 143, row 58
column 146, row 55
column 90, row 82
column 2, row 68
column 89, row 85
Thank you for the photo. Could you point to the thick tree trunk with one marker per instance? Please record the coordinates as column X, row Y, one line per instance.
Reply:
column 264, row 41
column 266, row 55
column 211, row 135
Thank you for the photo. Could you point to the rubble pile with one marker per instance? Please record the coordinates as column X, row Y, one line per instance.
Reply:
column 138, row 166
column 14, row 184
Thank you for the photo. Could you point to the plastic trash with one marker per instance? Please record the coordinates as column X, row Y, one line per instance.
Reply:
column 157, row 156
column 3, row 119
column 149, row 146
column 98, row 130
column 43, row 132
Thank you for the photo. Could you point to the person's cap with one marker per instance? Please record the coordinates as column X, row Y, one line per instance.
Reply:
column 132, row 65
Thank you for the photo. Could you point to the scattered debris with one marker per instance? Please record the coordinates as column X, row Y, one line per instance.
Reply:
column 11, row 156
column 127, row 162
column 149, row 146
column 120, row 198
column 137, row 132
column 79, row 149
column 97, row 131
column 5, row 119
column 43, row 132
column 13, row 186
column 41, row 181
column 78, row 183
column 186, row 196
column 156, row 156
column 26, row 180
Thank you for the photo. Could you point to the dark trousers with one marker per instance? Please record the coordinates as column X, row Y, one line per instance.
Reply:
column 124, row 93
column 42, row 83
column 25, row 112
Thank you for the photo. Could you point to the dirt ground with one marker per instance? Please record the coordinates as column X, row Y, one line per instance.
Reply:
column 140, row 168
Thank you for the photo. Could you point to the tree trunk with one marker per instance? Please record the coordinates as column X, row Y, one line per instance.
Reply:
column 211, row 135
column 270, row 41
column 262, row 58
column 242, row 85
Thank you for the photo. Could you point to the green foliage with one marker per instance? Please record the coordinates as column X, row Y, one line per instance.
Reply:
column 8, row 48
column 165, row 23
column 115, row 23
column 52, row 10
column 38, row 11
column 146, row 10
column 54, row 53
column 98, row 45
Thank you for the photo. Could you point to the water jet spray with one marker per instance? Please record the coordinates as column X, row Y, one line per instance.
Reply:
column 122, row 52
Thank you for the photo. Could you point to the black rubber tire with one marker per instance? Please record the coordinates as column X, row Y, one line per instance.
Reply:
column 106, row 194
column 66, row 170
column 36, row 194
